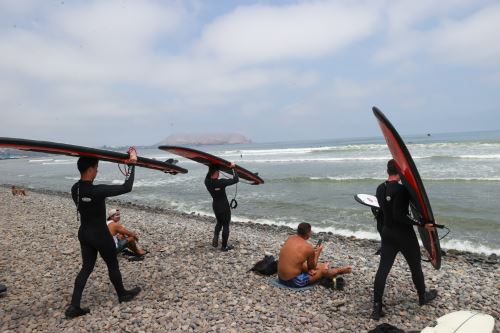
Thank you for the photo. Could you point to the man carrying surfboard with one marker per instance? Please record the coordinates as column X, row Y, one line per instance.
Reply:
column 397, row 236
column 217, row 189
column 93, row 233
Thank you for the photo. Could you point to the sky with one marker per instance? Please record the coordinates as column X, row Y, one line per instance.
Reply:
column 129, row 72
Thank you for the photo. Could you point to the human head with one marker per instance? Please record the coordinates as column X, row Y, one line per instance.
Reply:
column 392, row 169
column 304, row 230
column 213, row 171
column 114, row 214
column 88, row 166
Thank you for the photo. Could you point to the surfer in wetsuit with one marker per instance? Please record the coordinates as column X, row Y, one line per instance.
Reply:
column 93, row 233
column 220, row 204
column 397, row 236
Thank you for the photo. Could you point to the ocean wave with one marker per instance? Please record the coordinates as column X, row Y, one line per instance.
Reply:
column 439, row 146
column 350, row 179
column 319, row 159
column 480, row 157
column 305, row 150
column 455, row 145
column 461, row 245
column 465, row 245
column 40, row 160
column 463, row 179
column 327, row 179
column 59, row 162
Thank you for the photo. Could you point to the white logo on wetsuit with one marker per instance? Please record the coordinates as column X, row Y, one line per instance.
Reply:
column 217, row 189
column 85, row 199
column 388, row 198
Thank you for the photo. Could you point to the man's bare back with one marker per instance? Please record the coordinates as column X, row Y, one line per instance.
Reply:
column 295, row 252
column 299, row 257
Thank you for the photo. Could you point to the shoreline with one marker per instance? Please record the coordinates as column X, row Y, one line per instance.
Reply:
column 190, row 286
column 482, row 257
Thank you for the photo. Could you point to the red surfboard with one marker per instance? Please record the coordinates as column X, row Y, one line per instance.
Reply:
column 208, row 159
column 101, row 154
column 420, row 205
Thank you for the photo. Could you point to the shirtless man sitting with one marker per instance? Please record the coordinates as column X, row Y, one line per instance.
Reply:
column 298, row 261
column 121, row 235
column 18, row 191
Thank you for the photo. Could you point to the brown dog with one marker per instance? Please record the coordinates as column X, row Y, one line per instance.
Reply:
column 18, row 191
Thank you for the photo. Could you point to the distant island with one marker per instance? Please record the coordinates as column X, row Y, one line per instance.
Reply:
column 204, row 139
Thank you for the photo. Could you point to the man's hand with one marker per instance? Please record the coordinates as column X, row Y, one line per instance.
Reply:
column 232, row 165
column 429, row 226
column 312, row 272
column 132, row 156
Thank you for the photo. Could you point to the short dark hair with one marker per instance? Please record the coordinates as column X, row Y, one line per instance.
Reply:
column 86, row 162
column 211, row 169
column 303, row 229
column 392, row 167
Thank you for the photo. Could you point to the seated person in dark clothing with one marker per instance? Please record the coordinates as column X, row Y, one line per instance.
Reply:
column 298, row 261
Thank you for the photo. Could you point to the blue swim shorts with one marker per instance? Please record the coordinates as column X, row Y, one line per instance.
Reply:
column 299, row 281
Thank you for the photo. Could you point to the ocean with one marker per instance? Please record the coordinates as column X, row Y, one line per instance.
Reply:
column 315, row 181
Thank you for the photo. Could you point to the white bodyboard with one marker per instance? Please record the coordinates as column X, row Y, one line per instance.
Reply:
column 367, row 200
column 462, row 322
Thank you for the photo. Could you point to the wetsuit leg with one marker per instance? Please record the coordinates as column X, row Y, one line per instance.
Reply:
column 387, row 256
column 218, row 226
column 107, row 250
column 89, row 256
column 223, row 220
column 380, row 226
column 411, row 252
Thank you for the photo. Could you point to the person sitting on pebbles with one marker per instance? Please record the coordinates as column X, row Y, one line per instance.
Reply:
column 298, row 261
column 18, row 191
column 123, row 237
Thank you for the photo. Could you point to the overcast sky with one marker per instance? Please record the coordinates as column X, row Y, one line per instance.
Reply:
column 133, row 72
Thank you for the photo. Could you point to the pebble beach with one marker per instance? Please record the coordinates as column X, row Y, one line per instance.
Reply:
column 188, row 286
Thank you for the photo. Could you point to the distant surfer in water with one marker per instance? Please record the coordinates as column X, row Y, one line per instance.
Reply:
column 397, row 236
column 93, row 233
column 217, row 189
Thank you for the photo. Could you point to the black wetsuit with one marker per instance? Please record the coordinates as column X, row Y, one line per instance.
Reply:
column 379, row 217
column 220, row 204
column 93, row 234
column 398, row 235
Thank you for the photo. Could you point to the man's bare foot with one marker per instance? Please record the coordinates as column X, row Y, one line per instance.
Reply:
column 345, row 270
column 341, row 270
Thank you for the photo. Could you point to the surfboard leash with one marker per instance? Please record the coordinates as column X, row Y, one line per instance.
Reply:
column 234, row 203
column 448, row 231
column 124, row 172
